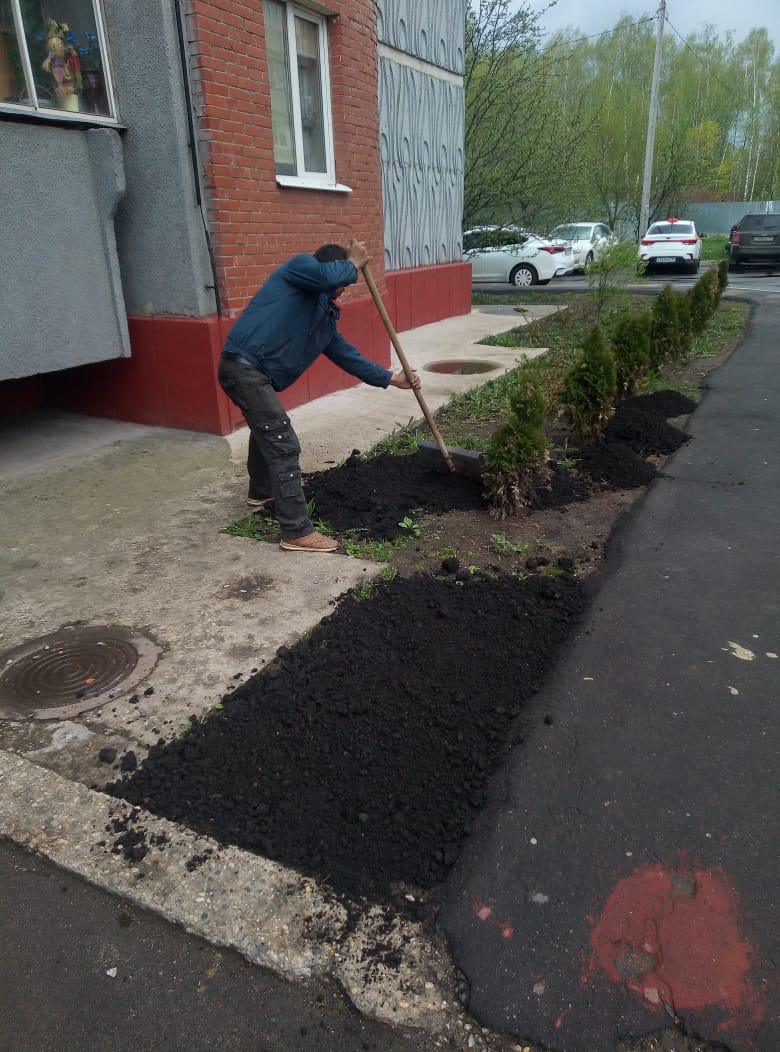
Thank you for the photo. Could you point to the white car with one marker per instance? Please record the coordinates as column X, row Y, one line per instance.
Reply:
column 671, row 243
column 586, row 240
column 514, row 255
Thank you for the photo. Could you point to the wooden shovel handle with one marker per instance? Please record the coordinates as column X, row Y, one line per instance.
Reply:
column 406, row 367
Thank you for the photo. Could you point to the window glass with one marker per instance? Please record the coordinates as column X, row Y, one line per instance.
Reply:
column 53, row 61
column 296, row 47
column 680, row 229
column 310, row 91
column 279, row 74
column 760, row 222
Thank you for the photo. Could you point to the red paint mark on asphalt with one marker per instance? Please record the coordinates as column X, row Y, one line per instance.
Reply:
column 507, row 931
column 480, row 911
column 671, row 934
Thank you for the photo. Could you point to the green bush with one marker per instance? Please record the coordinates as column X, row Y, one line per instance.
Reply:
column 631, row 347
column 723, row 274
column 664, row 333
column 684, row 324
column 589, row 389
column 515, row 463
column 712, row 281
column 700, row 300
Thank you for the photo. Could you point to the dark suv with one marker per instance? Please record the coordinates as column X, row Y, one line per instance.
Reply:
column 755, row 241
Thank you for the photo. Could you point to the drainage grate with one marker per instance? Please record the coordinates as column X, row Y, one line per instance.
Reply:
column 73, row 670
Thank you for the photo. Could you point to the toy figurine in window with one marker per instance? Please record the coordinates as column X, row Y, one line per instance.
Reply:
column 62, row 62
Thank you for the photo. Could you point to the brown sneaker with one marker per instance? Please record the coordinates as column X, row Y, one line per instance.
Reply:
column 259, row 502
column 312, row 542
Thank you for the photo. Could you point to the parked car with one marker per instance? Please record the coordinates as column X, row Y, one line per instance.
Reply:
column 514, row 255
column 755, row 241
column 586, row 240
column 673, row 243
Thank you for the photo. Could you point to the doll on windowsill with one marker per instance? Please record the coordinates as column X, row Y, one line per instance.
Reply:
column 62, row 62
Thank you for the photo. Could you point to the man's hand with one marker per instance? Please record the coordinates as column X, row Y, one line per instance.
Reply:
column 399, row 380
column 357, row 253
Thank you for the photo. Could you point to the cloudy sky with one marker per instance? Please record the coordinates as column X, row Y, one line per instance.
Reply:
column 685, row 15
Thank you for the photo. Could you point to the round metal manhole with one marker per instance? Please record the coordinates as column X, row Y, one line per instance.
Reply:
column 462, row 368
column 72, row 671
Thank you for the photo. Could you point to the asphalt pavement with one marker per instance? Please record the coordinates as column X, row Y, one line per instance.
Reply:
column 626, row 872
column 83, row 970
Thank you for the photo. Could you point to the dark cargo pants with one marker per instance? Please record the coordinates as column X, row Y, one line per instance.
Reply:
column 276, row 471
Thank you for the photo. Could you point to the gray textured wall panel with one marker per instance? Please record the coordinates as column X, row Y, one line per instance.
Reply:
column 421, row 125
column 60, row 295
column 432, row 30
column 165, row 264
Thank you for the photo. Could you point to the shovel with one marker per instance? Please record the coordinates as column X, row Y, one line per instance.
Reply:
column 457, row 461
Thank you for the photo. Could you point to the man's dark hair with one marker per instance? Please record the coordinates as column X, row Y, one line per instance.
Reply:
column 328, row 253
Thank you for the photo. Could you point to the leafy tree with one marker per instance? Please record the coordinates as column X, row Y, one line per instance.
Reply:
column 517, row 139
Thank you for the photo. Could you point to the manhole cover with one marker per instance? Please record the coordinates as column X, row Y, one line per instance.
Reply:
column 71, row 671
column 460, row 368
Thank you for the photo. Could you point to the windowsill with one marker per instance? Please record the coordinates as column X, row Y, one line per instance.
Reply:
column 309, row 183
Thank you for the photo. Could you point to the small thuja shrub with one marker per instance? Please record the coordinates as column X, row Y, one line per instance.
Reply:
column 701, row 304
column 684, row 324
column 589, row 389
column 723, row 274
column 713, row 281
column 515, row 464
column 664, row 335
column 631, row 348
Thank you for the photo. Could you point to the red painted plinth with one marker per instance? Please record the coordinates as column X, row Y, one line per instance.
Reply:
column 170, row 380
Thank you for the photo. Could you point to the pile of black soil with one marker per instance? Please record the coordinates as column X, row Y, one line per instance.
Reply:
column 617, row 466
column 375, row 494
column 370, row 497
column 665, row 404
column 364, row 753
column 643, row 432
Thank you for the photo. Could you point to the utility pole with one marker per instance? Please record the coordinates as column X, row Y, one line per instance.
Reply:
column 651, row 123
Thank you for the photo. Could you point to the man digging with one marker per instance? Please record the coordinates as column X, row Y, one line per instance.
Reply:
column 289, row 322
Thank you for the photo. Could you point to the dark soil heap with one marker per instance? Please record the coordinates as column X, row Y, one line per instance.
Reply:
column 373, row 496
column 364, row 754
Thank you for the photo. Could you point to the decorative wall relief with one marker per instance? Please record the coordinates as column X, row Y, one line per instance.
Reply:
column 421, row 136
column 431, row 30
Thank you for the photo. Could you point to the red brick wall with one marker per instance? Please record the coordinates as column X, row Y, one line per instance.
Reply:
column 256, row 225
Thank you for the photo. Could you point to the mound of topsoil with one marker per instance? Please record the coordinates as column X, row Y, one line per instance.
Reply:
column 374, row 495
column 363, row 754
column 616, row 465
column 645, row 433
column 664, row 404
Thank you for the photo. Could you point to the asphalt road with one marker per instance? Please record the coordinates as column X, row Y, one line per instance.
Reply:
column 754, row 281
column 81, row 970
column 626, row 871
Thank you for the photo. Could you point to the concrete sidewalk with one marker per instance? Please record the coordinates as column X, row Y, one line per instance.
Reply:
column 107, row 524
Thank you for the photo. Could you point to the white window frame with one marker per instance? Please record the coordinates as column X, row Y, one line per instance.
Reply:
column 310, row 180
column 52, row 113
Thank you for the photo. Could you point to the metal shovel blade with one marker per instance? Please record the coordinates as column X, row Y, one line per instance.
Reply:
column 467, row 462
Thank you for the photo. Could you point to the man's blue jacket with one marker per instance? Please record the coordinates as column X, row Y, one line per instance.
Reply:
column 292, row 319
